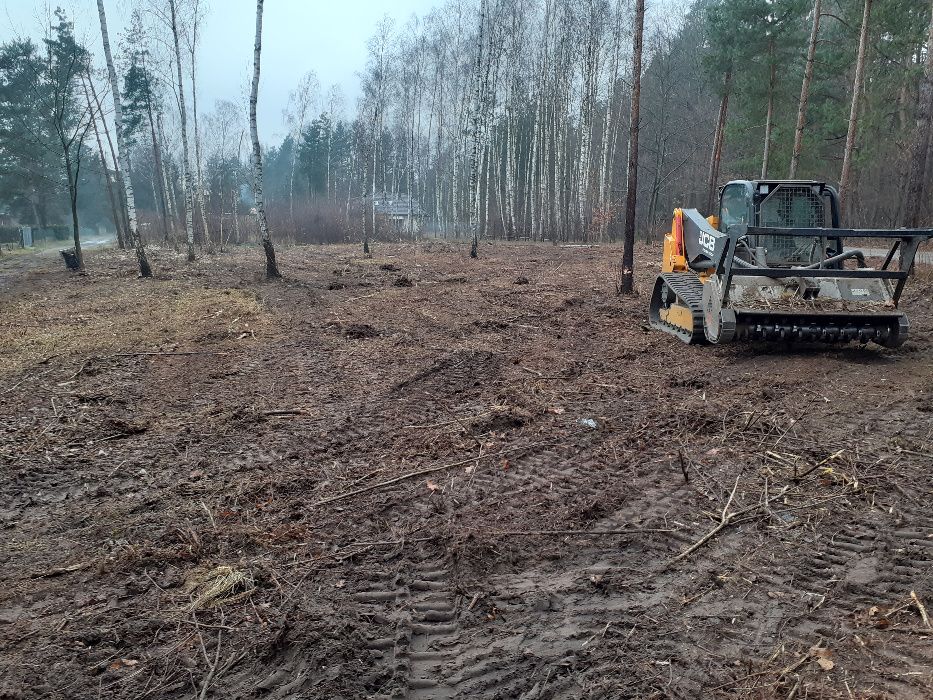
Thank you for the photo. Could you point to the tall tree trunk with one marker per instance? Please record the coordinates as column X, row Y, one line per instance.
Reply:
column 272, row 268
column 235, row 197
column 845, row 180
column 913, row 206
column 159, row 171
column 73, row 202
column 118, row 174
column 168, row 186
column 474, row 156
column 718, row 140
column 628, row 251
column 805, row 90
column 186, row 160
column 766, row 156
column 291, row 178
column 135, row 238
column 370, row 216
column 103, row 161
column 610, row 124
column 199, row 170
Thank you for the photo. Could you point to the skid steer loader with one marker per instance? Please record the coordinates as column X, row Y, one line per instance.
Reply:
column 772, row 266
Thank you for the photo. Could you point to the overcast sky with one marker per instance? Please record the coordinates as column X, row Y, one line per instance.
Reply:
column 327, row 36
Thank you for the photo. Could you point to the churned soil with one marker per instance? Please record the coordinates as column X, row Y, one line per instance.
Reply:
column 417, row 475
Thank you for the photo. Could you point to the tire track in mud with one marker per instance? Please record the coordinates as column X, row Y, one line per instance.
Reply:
column 820, row 591
column 449, row 387
column 539, row 622
column 418, row 607
column 545, row 629
column 562, row 626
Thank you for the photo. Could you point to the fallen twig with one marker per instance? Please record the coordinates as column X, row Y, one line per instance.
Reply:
column 835, row 455
column 209, row 515
column 724, row 521
column 801, row 661
column 288, row 412
column 210, row 674
column 59, row 570
column 415, row 474
column 921, row 608
column 340, row 556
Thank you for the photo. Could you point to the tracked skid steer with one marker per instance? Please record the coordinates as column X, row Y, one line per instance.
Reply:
column 773, row 266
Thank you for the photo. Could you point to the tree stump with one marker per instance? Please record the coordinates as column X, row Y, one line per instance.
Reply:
column 71, row 259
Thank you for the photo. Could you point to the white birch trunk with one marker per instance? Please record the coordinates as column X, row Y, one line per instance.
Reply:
column 199, row 169
column 144, row 269
column 474, row 159
column 166, row 185
column 185, row 160
column 272, row 268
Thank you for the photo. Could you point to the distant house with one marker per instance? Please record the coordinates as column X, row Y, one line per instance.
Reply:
column 401, row 212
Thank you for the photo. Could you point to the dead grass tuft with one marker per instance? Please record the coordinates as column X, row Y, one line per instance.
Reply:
column 220, row 585
column 147, row 318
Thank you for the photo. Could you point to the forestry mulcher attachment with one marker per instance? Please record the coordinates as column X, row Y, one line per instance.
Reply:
column 772, row 266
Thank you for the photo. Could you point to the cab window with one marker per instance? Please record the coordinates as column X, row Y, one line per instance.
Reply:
column 734, row 208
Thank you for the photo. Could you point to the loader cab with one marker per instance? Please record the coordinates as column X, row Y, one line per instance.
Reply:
column 781, row 204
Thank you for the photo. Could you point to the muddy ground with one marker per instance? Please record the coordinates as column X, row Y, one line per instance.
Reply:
column 421, row 476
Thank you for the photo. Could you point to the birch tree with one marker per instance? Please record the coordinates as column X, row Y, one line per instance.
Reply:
column 140, row 104
column 135, row 239
column 474, row 157
column 111, row 198
column 769, row 120
column 119, row 192
column 300, row 103
column 185, row 160
column 375, row 88
column 272, row 268
column 198, row 161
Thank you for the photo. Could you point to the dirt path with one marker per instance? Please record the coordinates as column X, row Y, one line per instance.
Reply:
column 159, row 431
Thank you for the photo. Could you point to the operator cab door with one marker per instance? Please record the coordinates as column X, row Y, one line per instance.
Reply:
column 735, row 206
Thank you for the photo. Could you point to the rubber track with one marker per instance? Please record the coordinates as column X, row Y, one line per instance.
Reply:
column 689, row 290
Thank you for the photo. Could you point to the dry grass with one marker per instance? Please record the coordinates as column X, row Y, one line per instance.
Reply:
column 220, row 585
column 162, row 316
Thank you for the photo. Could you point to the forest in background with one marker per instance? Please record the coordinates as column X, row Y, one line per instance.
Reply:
column 508, row 116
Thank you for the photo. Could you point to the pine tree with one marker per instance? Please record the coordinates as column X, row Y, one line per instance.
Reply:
column 920, row 146
column 857, row 84
column 28, row 143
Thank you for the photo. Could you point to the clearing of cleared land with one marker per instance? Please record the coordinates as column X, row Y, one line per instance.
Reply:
column 417, row 475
